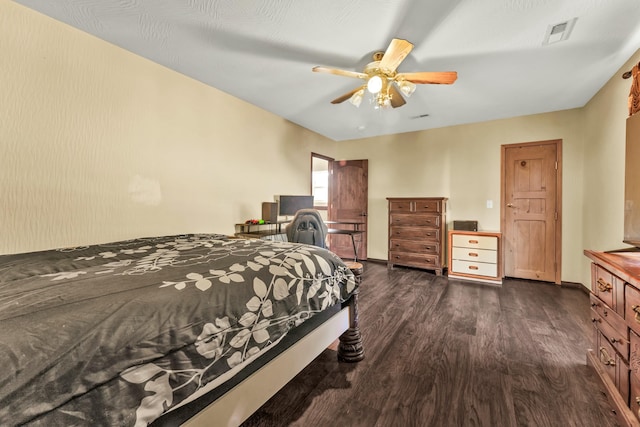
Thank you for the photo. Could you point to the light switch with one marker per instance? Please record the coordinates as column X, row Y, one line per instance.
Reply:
column 489, row 204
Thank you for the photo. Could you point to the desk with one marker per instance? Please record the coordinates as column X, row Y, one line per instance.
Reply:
column 259, row 231
column 350, row 233
column 354, row 231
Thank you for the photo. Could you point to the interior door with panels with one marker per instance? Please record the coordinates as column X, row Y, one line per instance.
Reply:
column 531, row 210
column 349, row 182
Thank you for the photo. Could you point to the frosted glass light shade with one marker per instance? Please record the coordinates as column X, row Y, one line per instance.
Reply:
column 356, row 98
column 374, row 84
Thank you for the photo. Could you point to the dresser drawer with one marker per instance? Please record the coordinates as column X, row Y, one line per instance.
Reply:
column 605, row 285
column 475, row 255
column 476, row 242
column 428, row 261
column 400, row 206
column 423, row 220
column 477, row 268
column 421, row 206
column 616, row 368
column 616, row 320
column 411, row 246
column 634, row 379
column 618, row 336
column 415, row 233
column 632, row 308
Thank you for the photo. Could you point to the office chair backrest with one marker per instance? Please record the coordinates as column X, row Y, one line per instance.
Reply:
column 307, row 227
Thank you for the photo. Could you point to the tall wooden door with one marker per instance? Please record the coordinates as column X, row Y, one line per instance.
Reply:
column 349, row 202
column 531, row 210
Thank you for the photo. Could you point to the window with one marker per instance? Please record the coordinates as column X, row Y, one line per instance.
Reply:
column 320, row 180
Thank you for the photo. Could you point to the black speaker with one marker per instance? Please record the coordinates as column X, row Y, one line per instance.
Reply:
column 465, row 225
column 270, row 212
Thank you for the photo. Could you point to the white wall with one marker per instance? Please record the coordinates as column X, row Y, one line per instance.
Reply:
column 98, row 144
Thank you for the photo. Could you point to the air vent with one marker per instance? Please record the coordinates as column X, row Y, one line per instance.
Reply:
column 559, row 32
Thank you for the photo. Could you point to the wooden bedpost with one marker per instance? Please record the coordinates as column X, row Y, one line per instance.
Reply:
column 350, row 348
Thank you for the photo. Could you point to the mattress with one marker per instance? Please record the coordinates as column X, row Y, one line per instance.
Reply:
column 121, row 333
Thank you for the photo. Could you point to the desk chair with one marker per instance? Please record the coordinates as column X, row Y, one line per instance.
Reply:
column 307, row 227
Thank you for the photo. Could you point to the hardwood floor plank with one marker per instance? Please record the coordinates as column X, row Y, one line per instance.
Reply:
column 442, row 352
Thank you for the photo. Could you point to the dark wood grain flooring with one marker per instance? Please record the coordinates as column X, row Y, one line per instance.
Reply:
column 442, row 352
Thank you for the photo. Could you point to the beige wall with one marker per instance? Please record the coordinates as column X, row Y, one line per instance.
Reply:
column 463, row 163
column 605, row 123
column 98, row 144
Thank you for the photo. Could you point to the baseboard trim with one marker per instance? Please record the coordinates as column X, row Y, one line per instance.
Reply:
column 575, row 285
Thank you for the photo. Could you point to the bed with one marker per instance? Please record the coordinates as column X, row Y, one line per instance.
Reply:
column 135, row 332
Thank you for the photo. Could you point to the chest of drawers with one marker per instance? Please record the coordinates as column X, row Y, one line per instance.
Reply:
column 417, row 232
column 475, row 255
column 615, row 314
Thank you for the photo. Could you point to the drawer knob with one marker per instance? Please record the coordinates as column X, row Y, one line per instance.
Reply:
column 605, row 358
column 614, row 340
column 594, row 320
column 473, row 242
column 604, row 286
column 636, row 310
column 473, row 254
column 473, row 267
column 594, row 304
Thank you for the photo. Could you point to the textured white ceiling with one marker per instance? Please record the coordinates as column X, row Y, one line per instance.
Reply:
column 263, row 52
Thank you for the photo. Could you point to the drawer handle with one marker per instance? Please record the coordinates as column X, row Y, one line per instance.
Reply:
column 614, row 340
column 473, row 242
column 473, row 254
column 607, row 359
column 594, row 304
column 604, row 286
column 594, row 320
column 636, row 310
column 473, row 267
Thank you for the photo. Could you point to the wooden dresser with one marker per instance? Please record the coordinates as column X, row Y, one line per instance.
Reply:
column 475, row 255
column 417, row 232
column 615, row 313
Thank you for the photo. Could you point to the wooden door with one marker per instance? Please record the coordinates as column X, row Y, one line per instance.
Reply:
column 349, row 202
column 531, row 210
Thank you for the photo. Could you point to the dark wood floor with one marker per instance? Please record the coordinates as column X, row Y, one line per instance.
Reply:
column 442, row 352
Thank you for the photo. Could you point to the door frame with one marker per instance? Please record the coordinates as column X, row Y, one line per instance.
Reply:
column 558, row 222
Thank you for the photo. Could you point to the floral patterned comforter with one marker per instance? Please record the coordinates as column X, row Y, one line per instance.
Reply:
column 119, row 333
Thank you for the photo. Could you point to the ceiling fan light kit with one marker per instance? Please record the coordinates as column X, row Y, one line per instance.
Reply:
column 383, row 82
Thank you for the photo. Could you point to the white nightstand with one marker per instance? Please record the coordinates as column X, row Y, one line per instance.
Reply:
column 475, row 255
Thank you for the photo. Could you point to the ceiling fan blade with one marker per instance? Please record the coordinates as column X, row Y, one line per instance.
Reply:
column 346, row 96
column 338, row 72
column 396, row 98
column 429, row 77
column 396, row 52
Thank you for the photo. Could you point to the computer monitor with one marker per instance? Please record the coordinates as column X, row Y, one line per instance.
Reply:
column 289, row 205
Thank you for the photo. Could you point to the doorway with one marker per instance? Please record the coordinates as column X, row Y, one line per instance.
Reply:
column 345, row 184
column 531, row 210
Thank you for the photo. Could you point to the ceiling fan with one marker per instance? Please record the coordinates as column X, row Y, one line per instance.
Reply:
column 382, row 80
